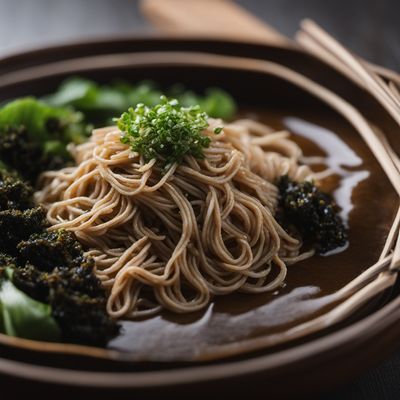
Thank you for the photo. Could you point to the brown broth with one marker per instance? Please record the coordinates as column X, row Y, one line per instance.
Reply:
column 367, row 201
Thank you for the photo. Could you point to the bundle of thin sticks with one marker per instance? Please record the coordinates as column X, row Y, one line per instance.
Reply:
column 383, row 85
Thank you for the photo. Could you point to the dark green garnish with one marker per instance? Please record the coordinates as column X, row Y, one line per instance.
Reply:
column 18, row 216
column 53, row 269
column 166, row 131
column 50, row 290
column 312, row 213
column 25, row 155
column 15, row 194
column 17, row 225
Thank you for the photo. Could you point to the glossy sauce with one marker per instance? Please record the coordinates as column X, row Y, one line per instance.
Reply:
column 358, row 185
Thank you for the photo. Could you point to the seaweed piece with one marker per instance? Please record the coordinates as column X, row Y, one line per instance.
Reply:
column 79, row 305
column 54, row 270
column 58, row 259
column 80, row 278
column 77, row 299
column 14, row 192
column 6, row 261
column 20, row 152
column 17, row 225
column 47, row 250
column 82, row 318
column 313, row 214
column 49, row 271
column 32, row 281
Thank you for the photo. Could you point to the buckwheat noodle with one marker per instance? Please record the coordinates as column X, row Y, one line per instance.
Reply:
column 173, row 239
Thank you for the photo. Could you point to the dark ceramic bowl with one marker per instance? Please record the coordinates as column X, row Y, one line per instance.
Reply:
column 305, row 366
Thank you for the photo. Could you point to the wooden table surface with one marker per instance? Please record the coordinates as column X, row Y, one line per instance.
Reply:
column 369, row 27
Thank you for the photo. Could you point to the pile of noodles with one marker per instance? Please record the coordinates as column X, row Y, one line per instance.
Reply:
column 173, row 239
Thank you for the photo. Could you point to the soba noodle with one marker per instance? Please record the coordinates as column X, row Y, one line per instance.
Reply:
column 173, row 239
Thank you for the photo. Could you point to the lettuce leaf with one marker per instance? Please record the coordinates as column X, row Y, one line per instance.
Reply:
column 51, row 127
column 22, row 316
column 34, row 116
column 101, row 102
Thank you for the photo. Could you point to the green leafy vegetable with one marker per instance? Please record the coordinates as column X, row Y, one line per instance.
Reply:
column 41, row 121
column 166, row 131
column 21, row 316
column 101, row 102
column 84, row 94
column 218, row 104
column 34, row 136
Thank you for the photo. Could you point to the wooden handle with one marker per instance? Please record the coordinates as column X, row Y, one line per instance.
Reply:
column 216, row 18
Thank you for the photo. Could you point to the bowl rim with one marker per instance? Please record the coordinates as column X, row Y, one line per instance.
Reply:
column 16, row 59
column 134, row 37
column 342, row 341
column 369, row 327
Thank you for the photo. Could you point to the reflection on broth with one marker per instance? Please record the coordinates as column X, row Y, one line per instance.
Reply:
column 339, row 158
column 180, row 340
